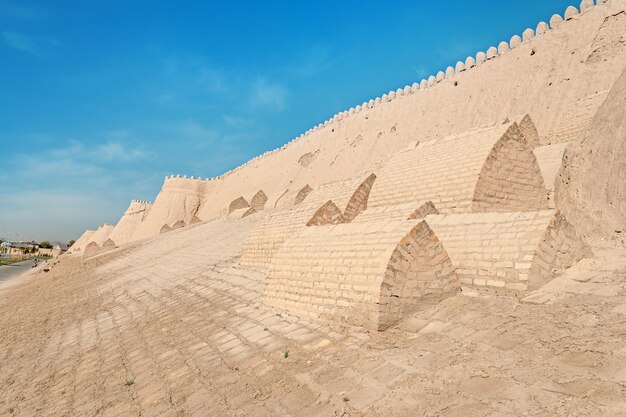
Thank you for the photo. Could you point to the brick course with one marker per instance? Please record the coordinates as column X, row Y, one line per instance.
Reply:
column 267, row 237
column 368, row 272
column 513, row 251
column 486, row 169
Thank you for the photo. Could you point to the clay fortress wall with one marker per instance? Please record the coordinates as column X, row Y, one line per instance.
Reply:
column 454, row 183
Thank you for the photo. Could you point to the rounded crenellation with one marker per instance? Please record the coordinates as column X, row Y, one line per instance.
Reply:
column 555, row 21
column 542, row 27
column 503, row 47
column 450, row 72
column 586, row 5
column 515, row 41
column 528, row 34
column 571, row 12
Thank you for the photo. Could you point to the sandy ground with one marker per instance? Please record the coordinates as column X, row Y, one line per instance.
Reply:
column 155, row 331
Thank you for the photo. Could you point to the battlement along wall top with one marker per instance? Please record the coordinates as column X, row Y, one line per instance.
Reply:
column 136, row 213
column 82, row 241
column 179, row 200
column 516, row 80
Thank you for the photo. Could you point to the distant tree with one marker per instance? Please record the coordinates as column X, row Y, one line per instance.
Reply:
column 70, row 243
column 45, row 244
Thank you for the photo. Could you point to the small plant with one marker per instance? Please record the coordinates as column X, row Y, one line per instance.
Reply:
column 286, row 353
column 235, row 369
column 129, row 382
column 346, row 399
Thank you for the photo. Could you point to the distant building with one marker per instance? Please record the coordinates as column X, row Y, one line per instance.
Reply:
column 55, row 251
column 18, row 248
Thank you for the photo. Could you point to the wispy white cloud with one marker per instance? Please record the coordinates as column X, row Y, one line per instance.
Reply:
column 212, row 80
column 269, row 96
column 52, row 214
column 183, row 79
column 77, row 162
column 21, row 42
column 191, row 129
column 71, row 187
column 19, row 11
column 237, row 122
column 314, row 61
column 31, row 44
column 115, row 151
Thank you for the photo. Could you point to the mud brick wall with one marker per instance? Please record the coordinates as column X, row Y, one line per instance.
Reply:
column 258, row 201
column 134, row 215
column 238, row 204
column 490, row 168
column 267, row 237
column 368, row 273
column 578, row 117
column 528, row 129
column 82, row 241
column 550, row 159
column 498, row 250
column 179, row 200
column 101, row 234
column 94, row 249
column 510, row 179
column 559, row 248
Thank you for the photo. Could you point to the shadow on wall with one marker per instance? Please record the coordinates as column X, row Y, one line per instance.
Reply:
column 237, row 204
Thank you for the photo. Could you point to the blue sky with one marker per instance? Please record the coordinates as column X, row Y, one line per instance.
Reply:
column 99, row 100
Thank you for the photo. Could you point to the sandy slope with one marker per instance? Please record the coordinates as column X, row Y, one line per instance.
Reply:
column 188, row 327
column 173, row 325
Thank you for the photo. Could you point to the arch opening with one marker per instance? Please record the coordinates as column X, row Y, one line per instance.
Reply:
column 358, row 201
column 529, row 130
column 302, row 194
column 258, row 201
column 560, row 248
column 510, row 178
column 91, row 249
column 329, row 213
column 419, row 274
column 109, row 244
column 237, row 203
column 179, row 224
column 423, row 211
